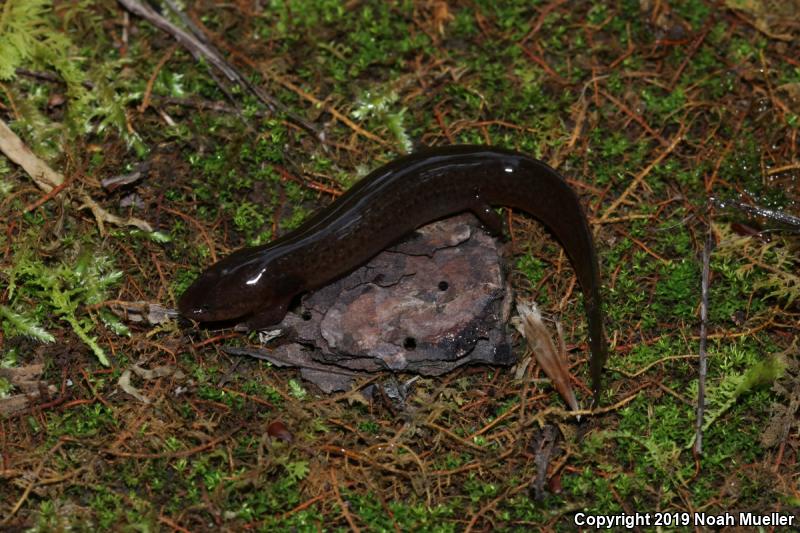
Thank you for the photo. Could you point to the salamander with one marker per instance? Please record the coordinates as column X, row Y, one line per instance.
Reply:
column 256, row 285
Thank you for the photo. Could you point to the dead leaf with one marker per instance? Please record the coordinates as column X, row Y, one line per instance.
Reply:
column 157, row 372
column 554, row 364
column 125, row 384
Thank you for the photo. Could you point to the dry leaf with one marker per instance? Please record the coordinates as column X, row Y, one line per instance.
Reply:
column 125, row 384
column 554, row 364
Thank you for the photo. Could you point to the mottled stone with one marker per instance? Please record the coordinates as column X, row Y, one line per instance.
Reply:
column 427, row 305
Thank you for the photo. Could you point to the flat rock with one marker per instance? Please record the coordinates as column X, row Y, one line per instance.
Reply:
column 434, row 302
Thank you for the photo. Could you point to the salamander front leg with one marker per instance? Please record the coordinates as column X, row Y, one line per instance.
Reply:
column 269, row 316
column 490, row 220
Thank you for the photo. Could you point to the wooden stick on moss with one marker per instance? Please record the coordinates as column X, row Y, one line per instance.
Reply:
column 701, row 386
column 201, row 50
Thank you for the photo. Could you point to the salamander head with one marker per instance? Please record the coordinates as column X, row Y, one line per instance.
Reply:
column 243, row 285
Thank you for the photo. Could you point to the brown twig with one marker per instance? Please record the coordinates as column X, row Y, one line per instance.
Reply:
column 449, row 434
column 644, row 247
column 635, row 116
column 342, row 505
column 215, row 339
column 149, row 89
column 537, row 25
column 178, row 454
column 783, row 168
column 692, row 50
column 47, row 196
column 311, row 184
column 171, row 523
column 442, row 125
column 11, row 102
column 362, row 458
column 341, row 117
column 199, row 227
column 201, row 50
column 542, row 63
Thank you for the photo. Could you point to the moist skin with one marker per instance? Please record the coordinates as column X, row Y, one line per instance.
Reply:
column 256, row 285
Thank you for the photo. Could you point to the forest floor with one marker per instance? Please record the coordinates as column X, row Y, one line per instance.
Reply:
column 650, row 108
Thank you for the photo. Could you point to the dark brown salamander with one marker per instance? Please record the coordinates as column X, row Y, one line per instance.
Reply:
column 257, row 284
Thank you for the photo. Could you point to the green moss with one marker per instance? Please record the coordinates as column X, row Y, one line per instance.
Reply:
column 694, row 11
column 261, row 390
column 725, row 295
column 452, row 460
column 677, row 293
column 595, row 490
column 369, row 426
column 533, row 268
column 82, row 278
column 215, row 394
column 83, row 421
column 275, row 498
column 661, row 103
column 406, row 516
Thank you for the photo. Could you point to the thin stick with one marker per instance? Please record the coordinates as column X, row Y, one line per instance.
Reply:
column 174, row 455
column 47, row 196
column 343, row 506
column 651, row 365
column 341, row 117
column 638, row 118
column 701, row 386
column 171, row 523
column 758, row 211
column 784, row 168
column 149, row 88
column 201, row 50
